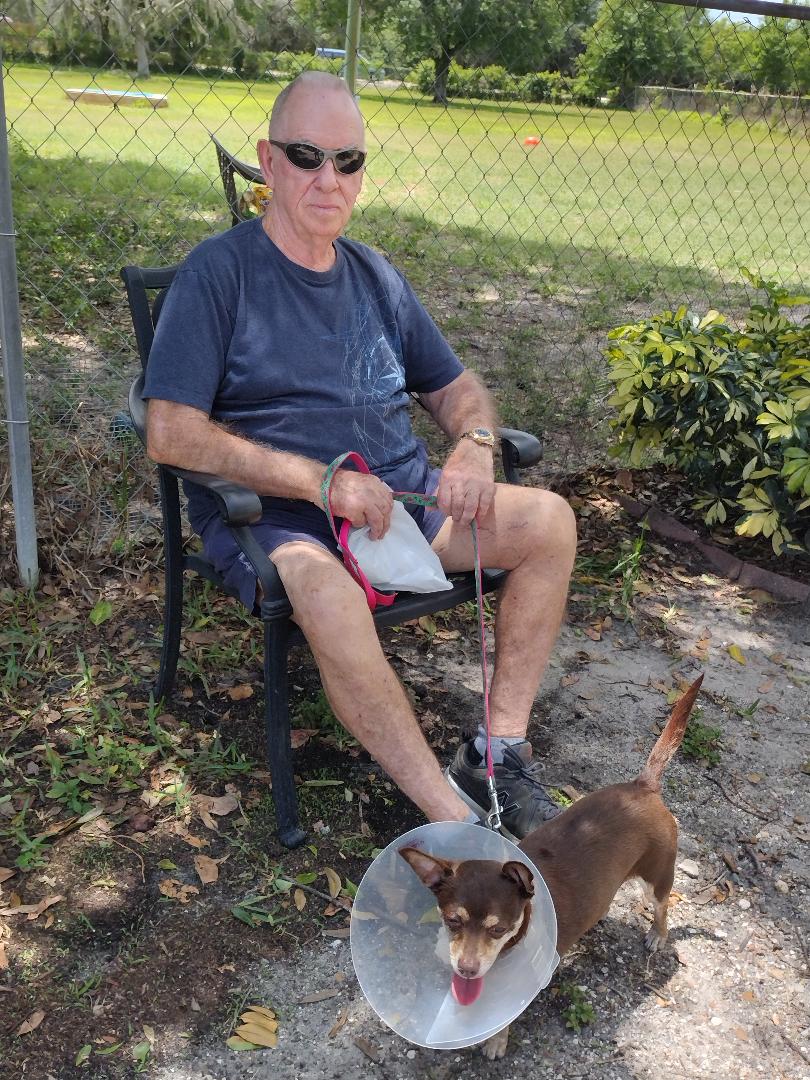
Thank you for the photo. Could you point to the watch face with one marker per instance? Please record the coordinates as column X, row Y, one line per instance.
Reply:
column 482, row 436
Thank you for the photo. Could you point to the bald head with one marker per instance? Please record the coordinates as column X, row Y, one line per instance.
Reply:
column 309, row 90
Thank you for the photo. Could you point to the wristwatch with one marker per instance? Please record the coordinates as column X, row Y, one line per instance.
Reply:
column 481, row 435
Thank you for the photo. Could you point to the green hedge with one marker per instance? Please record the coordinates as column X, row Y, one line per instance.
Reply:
column 729, row 407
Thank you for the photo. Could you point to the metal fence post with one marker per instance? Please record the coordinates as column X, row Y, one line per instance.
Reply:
column 352, row 42
column 16, row 418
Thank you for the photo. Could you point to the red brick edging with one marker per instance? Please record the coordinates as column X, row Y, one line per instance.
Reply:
column 743, row 573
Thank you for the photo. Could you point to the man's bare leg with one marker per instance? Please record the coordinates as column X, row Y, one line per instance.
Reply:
column 361, row 686
column 532, row 534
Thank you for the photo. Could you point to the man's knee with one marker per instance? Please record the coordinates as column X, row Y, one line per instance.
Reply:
column 545, row 525
column 324, row 598
column 557, row 530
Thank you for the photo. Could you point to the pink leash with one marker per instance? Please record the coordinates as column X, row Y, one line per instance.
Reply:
column 374, row 597
column 493, row 818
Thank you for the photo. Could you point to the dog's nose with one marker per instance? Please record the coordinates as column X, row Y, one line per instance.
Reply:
column 468, row 969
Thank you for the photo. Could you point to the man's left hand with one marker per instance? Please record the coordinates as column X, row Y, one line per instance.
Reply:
column 467, row 485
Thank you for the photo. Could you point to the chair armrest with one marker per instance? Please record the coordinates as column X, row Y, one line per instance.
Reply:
column 519, row 449
column 238, row 505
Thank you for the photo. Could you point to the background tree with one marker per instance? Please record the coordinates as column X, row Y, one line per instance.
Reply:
column 142, row 22
column 726, row 51
column 773, row 69
column 513, row 32
column 636, row 43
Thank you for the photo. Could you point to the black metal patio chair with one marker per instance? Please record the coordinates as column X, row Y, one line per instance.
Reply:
column 146, row 290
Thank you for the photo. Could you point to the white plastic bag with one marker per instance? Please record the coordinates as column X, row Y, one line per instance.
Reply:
column 401, row 560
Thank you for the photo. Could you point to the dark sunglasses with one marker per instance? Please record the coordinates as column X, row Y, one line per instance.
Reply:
column 306, row 156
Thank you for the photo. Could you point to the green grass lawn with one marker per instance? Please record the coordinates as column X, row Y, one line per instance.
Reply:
column 673, row 189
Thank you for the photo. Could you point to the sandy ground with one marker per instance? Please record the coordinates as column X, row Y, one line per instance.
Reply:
column 729, row 995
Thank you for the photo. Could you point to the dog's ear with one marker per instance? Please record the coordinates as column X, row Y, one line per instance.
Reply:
column 521, row 875
column 430, row 870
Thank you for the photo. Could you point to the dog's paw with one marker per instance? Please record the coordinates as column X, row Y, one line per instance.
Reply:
column 495, row 1047
column 654, row 940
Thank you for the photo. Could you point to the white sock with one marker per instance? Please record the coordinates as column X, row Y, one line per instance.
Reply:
column 498, row 742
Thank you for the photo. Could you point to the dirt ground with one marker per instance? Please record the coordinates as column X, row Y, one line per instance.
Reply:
column 727, row 997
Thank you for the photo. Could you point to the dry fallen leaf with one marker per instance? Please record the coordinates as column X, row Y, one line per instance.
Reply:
column 259, row 1026
column 335, row 883
column 368, row 1049
column 218, row 804
column 207, row 868
column 343, row 1016
column 6, row 872
column 736, row 653
column 239, row 693
column 300, row 736
column 299, row 899
column 33, row 1022
column 175, row 890
column 206, row 805
column 3, row 957
column 320, row 995
column 569, row 680
column 33, row 911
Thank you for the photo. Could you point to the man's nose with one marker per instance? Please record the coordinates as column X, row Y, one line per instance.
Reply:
column 327, row 175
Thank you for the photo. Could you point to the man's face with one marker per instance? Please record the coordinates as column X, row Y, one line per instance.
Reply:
column 316, row 204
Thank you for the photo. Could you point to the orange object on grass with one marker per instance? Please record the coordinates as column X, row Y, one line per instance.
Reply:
column 531, row 140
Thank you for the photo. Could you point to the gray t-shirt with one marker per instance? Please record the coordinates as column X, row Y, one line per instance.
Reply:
column 307, row 362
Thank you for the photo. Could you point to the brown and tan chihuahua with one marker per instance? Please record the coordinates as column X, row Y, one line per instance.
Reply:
column 584, row 854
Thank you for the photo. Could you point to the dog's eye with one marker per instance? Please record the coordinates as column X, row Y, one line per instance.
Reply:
column 453, row 924
column 497, row 931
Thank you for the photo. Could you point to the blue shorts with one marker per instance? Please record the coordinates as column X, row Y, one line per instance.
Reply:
column 281, row 526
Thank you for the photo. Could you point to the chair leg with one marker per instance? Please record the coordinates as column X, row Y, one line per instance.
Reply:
column 173, row 590
column 277, row 726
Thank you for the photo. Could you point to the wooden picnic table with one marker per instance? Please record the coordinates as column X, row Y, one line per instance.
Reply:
column 95, row 95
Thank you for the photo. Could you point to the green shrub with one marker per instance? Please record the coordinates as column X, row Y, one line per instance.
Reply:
column 256, row 65
column 728, row 407
column 550, row 86
column 295, row 63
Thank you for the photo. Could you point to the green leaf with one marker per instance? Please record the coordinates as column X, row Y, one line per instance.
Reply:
column 83, row 1054
column 109, row 1049
column 141, row 1051
column 102, row 611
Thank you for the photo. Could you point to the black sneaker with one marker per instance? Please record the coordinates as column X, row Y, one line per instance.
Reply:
column 524, row 801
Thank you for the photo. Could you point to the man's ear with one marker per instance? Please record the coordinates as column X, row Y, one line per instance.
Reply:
column 430, row 870
column 521, row 875
column 263, row 153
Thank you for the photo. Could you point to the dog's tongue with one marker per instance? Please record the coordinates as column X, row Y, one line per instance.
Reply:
column 466, row 991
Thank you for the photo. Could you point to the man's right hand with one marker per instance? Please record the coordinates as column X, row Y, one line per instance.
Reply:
column 363, row 500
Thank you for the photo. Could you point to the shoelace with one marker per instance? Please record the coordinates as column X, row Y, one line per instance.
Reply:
column 529, row 771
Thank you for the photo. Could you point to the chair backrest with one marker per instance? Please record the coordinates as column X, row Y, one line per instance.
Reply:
column 230, row 165
column 139, row 281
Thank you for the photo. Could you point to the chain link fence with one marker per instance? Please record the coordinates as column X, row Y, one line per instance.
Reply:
column 542, row 170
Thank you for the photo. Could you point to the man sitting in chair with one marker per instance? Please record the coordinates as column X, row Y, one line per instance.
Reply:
column 282, row 344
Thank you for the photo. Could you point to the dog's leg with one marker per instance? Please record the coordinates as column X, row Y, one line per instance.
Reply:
column 657, row 871
column 656, row 936
column 495, row 1046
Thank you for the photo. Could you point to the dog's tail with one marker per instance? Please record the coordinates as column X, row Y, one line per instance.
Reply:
column 670, row 738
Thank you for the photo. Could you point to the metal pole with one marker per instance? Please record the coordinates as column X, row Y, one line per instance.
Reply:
column 352, row 42
column 16, row 418
column 749, row 7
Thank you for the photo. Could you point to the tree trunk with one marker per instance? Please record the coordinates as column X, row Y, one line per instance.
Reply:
column 442, row 66
column 141, row 54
